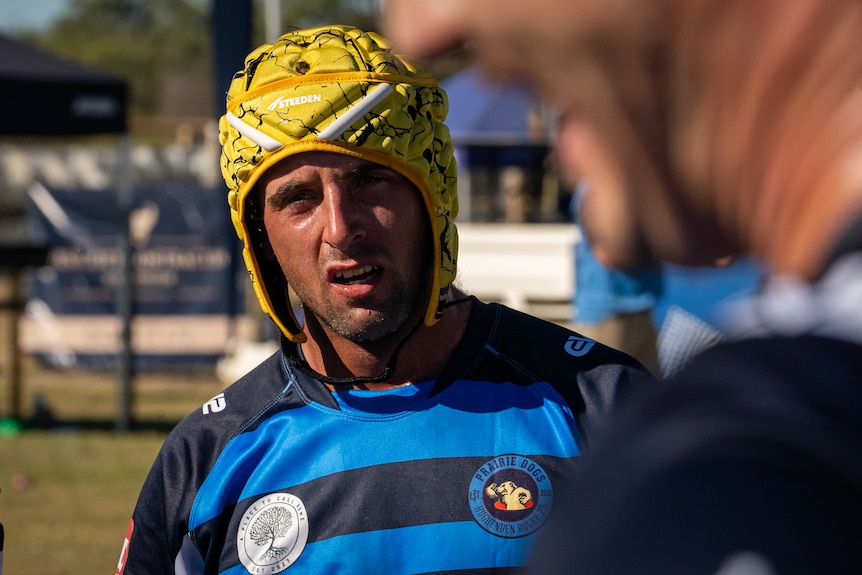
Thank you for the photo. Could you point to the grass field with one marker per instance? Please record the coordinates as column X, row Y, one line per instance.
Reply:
column 68, row 491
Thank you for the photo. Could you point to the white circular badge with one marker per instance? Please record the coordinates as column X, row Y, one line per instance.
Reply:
column 272, row 533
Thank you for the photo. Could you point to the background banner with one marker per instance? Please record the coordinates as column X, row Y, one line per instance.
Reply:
column 185, row 288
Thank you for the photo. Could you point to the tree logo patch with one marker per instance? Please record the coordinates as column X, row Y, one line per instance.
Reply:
column 272, row 533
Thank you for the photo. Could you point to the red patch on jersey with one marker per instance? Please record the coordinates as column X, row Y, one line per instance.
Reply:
column 124, row 554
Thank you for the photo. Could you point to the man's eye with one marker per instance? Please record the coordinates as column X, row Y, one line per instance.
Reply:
column 291, row 200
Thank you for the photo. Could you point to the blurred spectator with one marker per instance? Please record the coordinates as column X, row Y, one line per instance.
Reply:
column 690, row 311
column 615, row 306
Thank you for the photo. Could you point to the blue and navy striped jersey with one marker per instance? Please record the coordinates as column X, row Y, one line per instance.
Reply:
column 455, row 475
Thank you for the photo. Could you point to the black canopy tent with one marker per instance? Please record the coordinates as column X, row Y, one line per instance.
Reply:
column 42, row 94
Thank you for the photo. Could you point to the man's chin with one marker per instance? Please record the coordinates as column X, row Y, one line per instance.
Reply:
column 369, row 327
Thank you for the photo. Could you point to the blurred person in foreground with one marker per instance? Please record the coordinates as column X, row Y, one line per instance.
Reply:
column 403, row 427
column 709, row 128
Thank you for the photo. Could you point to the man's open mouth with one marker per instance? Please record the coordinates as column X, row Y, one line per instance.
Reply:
column 349, row 277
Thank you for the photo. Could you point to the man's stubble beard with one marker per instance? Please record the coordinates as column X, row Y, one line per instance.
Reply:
column 381, row 322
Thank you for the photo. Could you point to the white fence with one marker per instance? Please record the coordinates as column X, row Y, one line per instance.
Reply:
column 530, row 267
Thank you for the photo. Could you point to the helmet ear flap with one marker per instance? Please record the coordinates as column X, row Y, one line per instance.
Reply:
column 269, row 282
column 259, row 240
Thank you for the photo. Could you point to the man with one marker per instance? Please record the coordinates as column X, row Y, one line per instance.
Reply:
column 709, row 128
column 403, row 427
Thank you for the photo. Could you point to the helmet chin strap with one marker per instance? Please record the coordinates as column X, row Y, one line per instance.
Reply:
column 298, row 361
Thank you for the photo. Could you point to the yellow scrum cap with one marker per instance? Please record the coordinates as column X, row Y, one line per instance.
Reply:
column 337, row 89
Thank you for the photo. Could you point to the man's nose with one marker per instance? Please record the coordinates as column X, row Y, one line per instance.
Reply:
column 343, row 219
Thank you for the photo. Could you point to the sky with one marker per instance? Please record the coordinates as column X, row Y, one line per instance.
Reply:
column 18, row 16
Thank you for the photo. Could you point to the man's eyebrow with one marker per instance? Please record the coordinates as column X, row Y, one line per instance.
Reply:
column 289, row 186
column 283, row 189
column 361, row 168
column 364, row 168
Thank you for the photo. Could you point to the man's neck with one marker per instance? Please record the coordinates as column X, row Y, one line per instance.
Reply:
column 414, row 353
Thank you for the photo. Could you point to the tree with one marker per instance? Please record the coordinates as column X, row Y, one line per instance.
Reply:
column 359, row 13
column 362, row 14
column 272, row 525
column 151, row 43
column 163, row 48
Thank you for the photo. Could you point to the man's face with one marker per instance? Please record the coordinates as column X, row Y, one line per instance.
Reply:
column 352, row 239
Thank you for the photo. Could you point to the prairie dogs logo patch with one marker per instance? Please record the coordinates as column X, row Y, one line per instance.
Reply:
column 511, row 496
column 272, row 533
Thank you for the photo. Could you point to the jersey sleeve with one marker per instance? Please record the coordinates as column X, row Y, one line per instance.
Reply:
column 159, row 522
column 158, row 538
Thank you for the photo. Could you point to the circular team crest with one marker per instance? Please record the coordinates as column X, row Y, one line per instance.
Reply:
column 511, row 496
column 272, row 533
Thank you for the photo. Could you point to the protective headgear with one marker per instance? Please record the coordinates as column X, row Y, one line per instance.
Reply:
column 337, row 89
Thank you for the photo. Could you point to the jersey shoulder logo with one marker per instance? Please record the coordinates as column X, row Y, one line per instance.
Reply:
column 579, row 346
column 272, row 533
column 510, row 496
column 216, row 404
